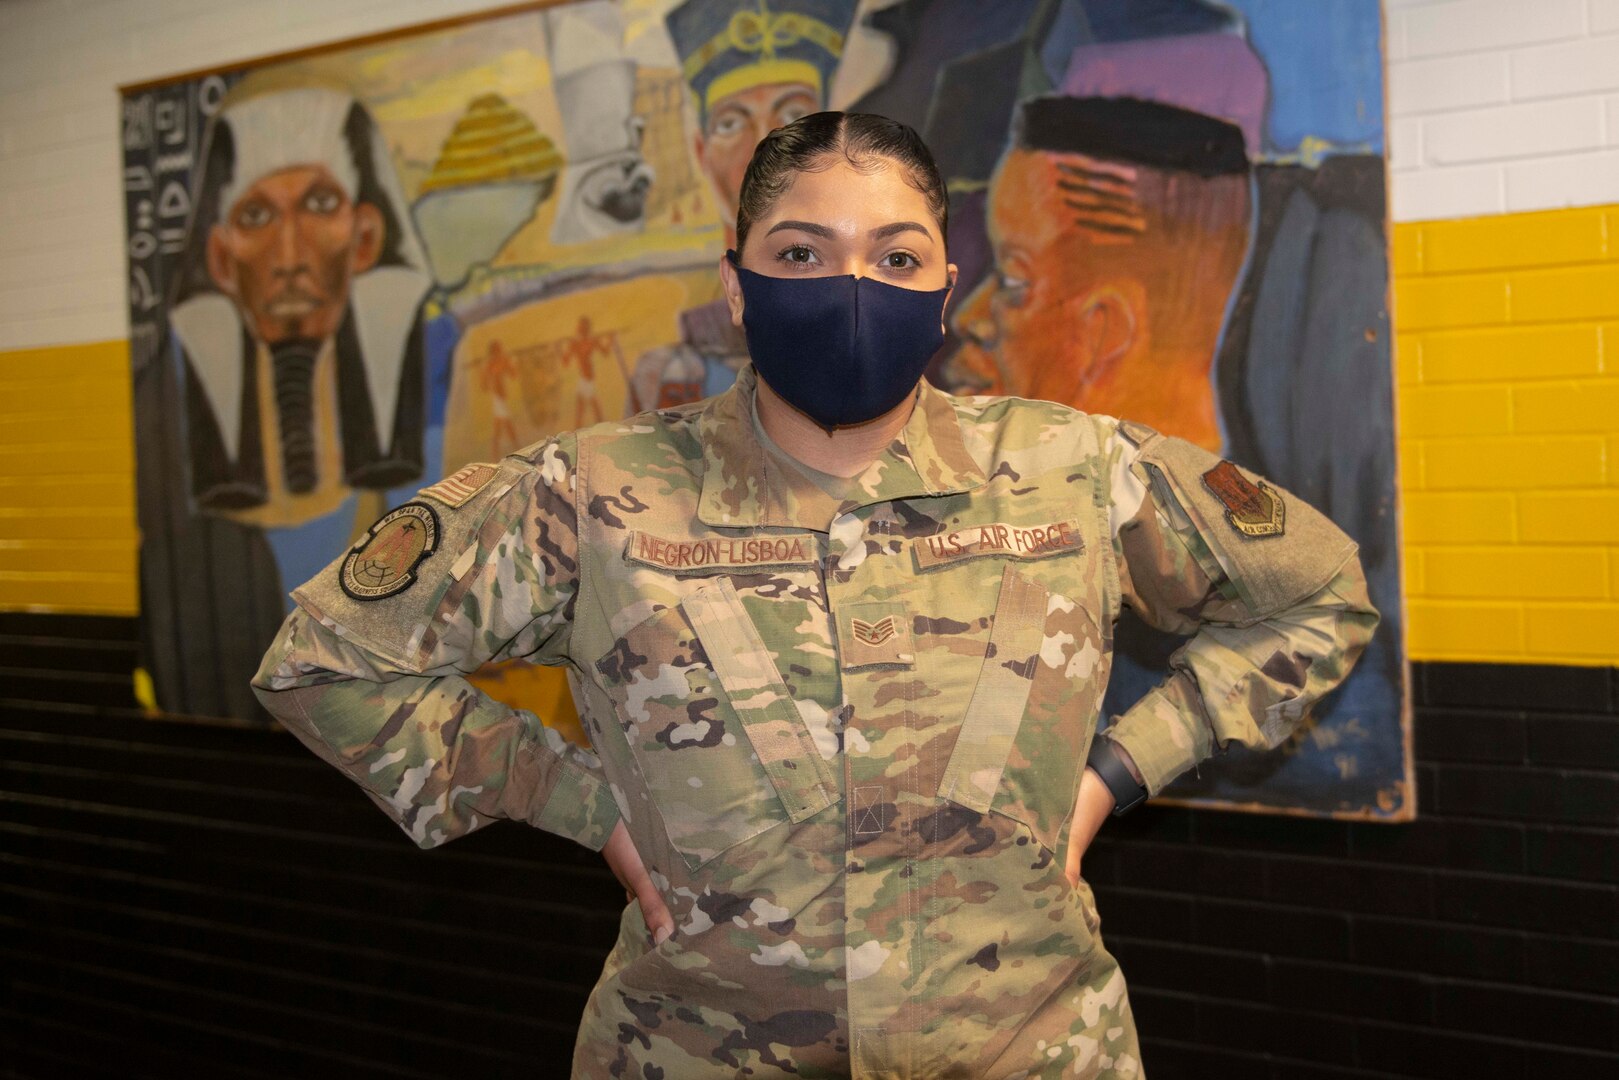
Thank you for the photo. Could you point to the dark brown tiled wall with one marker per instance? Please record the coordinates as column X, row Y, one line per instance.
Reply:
column 181, row 898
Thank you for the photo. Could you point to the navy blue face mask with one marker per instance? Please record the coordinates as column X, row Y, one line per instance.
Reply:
column 841, row 350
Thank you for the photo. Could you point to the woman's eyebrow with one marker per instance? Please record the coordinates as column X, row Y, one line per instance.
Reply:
column 823, row 231
column 885, row 231
column 882, row 232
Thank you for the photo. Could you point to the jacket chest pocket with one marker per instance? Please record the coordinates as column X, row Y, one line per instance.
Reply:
column 1032, row 712
column 712, row 727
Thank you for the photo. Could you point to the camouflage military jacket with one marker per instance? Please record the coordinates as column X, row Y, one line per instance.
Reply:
column 845, row 736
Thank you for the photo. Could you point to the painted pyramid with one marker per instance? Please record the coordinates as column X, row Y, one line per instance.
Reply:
column 492, row 142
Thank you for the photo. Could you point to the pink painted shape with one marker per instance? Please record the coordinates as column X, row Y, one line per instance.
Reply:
column 1217, row 75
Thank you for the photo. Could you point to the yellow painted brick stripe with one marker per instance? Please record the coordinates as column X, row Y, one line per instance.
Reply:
column 68, row 539
column 1496, row 464
column 1588, row 405
column 1575, row 631
column 1456, row 410
column 64, row 523
column 1455, row 631
column 1553, row 351
column 1519, row 573
column 1508, row 389
column 1585, row 517
column 1458, row 519
column 70, row 591
column 1514, row 240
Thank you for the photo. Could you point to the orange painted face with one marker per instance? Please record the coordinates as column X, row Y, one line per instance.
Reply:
column 1044, row 319
column 736, row 123
column 287, row 250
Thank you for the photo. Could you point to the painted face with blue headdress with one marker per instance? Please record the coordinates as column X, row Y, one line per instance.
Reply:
column 754, row 65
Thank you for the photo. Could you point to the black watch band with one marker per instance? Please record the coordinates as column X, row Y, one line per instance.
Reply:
column 1104, row 758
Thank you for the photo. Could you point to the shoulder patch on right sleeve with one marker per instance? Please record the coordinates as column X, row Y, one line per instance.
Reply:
column 383, row 591
column 1241, row 516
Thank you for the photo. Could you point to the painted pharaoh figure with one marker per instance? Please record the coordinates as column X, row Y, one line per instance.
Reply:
column 752, row 66
column 293, row 358
column 296, row 311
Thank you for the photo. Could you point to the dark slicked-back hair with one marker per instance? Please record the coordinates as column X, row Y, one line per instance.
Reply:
column 814, row 142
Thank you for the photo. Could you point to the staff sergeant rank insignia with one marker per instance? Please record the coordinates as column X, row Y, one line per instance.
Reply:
column 385, row 562
column 1252, row 509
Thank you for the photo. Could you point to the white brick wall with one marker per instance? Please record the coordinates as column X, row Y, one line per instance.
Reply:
column 61, row 61
column 1502, row 105
column 1496, row 105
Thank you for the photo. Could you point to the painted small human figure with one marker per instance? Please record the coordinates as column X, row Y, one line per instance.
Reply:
column 580, row 349
column 498, row 370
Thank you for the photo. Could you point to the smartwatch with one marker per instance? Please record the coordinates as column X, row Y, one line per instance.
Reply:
column 1105, row 758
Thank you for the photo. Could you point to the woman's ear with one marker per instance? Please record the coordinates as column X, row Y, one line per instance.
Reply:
column 733, row 289
column 950, row 289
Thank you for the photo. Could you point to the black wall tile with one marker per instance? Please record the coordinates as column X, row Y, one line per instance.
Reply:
column 1353, row 992
column 1577, row 854
column 1532, row 688
column 1564, row 796
column 1284, row 1032
column 1439, row 948
column 1580, row 742
column 1441, row 841
column 1463, row 735
column 1529, row 904
column 1572, row 964
column 1421, row 1051
column 1520, row 1013
column 1273, row 928
column 1353, row 887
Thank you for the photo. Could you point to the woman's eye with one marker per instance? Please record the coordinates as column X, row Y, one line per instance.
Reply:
column 901, row 260
column 797, row 253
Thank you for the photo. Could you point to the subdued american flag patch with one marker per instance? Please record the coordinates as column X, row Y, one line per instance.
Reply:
column 462, row 484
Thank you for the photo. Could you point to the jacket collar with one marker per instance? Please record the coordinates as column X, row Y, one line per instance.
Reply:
column 744, row 487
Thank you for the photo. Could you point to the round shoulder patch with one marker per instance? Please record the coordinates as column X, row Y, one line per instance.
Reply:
column 384, row 563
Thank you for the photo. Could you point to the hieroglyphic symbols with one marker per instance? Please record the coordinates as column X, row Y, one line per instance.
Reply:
column 137, row 123
column 209, row 95
column 142, row 296
column 170, row 122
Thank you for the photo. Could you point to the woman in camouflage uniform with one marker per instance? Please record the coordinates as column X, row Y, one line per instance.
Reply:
column 839, row 642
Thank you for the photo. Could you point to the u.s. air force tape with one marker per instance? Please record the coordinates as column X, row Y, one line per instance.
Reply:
column 997, row 538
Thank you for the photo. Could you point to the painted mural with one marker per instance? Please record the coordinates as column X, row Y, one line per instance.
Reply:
column 355, row 270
